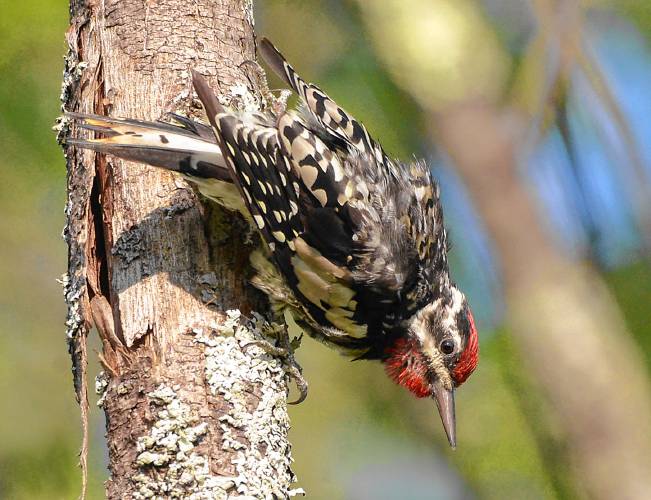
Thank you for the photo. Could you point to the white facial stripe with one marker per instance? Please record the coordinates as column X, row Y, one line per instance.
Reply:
column 418, row 324
column 450, row 314
column 428, row 341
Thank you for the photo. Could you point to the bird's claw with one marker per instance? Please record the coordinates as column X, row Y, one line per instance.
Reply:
column 285, row 351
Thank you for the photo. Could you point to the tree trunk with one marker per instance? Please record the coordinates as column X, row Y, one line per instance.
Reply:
column 190, row 412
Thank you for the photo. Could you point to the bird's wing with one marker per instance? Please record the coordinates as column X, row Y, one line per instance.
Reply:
column 295, row 189
column 333, row 118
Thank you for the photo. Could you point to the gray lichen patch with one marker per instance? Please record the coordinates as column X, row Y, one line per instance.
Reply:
column 101, row 385
column 128, row 247
column 73, row 291
column 179, row 205
column 240, row 97
column 244, row 100
column 209, row 289
column 170, row 466
column 72, row 294
column 248, row 12
column 72, row 71
column 256, row 426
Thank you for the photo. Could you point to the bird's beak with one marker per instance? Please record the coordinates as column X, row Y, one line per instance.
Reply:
column 445, row 401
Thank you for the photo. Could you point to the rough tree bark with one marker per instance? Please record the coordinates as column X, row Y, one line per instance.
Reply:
column 190, row 413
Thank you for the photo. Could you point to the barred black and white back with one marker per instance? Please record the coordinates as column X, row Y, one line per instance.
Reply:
column 356, row 238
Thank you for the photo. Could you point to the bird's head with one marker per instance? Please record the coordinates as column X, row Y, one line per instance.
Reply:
column 438, row 354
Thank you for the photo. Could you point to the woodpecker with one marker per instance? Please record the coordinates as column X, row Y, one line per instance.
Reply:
column 354, row 242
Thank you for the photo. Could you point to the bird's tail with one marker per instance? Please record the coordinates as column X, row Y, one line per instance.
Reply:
column 189, row 147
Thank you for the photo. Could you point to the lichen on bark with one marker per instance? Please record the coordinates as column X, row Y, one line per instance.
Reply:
column 150, row 266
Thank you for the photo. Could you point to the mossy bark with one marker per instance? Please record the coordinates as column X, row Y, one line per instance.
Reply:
column 155, row 272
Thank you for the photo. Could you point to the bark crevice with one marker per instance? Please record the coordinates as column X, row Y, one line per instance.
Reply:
column 156, row 272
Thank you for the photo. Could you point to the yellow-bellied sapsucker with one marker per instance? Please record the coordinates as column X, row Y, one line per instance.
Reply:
column 355, row 239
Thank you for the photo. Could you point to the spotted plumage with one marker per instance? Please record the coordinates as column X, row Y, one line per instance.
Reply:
column 355, row 241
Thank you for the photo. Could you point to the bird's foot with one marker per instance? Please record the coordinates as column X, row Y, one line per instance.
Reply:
column 283, row 348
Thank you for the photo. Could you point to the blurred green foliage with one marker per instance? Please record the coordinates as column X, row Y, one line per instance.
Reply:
column 631, row 286
column 355, row 423
column 39, row 427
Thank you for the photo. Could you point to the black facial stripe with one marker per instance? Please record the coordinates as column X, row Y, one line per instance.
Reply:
column 463, row 324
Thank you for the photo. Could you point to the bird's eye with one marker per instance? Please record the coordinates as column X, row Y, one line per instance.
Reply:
column 447, row 346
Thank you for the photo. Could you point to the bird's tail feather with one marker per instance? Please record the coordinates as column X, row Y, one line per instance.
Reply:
column 189, row 148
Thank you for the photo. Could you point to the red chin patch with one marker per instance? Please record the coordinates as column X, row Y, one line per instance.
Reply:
column 406, row 365
column 470, row 355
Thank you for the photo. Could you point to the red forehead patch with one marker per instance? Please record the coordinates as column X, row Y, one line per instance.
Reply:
column 470, row 355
